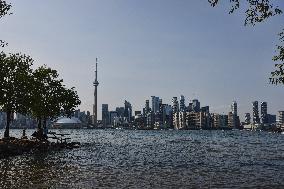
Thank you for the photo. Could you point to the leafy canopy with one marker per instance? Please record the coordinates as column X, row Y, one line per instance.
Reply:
column 259, row 11
column 4, row 10
column 15, row 77
column 50, row 96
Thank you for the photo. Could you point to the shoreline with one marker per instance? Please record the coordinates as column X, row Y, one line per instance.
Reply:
column 17, row 146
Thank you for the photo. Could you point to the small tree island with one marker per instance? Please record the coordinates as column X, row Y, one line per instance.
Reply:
column 39, row 93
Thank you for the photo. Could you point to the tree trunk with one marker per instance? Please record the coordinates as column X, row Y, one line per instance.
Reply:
column 7, row 128
column 45, row 128
column 39, row 129
column 39, row 123
column 44, row 123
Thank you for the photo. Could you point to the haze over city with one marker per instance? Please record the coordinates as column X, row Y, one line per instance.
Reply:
column 163, row 48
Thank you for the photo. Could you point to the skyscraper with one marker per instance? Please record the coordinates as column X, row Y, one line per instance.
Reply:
column 105, row 114
column 155, row 104
column 231, row 122
column 95, row 108
column 234, row 108
column 190, row 107
column 175, row 110
column 147, row 107
column 255, row 112
column 205, row 109
column 175, row 104
column 263, row 110
column 120, row 111
column 112, row 117
column 182, row 104
column 196, row 105
column 160, row 104
column 127, row 110
column 247, row 118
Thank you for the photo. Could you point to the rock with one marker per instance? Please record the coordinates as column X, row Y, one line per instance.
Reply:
column 16, row 146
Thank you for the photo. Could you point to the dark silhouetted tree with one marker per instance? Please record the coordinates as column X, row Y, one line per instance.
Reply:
column 277, row 76
column 69, row 101
column 259, row 11
column 50, row 97
column 45, row 94
column 15, row 87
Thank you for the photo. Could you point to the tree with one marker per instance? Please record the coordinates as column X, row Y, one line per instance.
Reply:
column 259, row 11
column 4, row 10
column 277, row 76
column 39, row 92
column 44, row 94
column 69, row 101
column 50, row 96
column 15, row 75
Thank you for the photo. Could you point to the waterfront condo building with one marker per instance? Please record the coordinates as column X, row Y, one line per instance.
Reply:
column 281, row 118
column 219, row 121
column 247, row 118
column 255, row 112
column 197, row 120
column 263, row 111
column 176, row 120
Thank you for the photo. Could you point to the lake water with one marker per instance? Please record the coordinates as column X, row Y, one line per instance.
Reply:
column 152, row 159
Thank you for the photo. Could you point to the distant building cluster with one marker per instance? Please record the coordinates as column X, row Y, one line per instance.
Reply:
column 180, row 116
column 78, row 120
column 261, row 119
column 19, row 121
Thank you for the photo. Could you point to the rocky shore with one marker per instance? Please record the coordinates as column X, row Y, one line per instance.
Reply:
column 15, row 146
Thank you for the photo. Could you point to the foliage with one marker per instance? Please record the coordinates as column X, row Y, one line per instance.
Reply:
column 277, row 76
column 14, row 82
column 45, row 93
column 258, row 11
column 4, row 10
column 39, row 92
column 15, row 77
column 50, row 96
column 280, row 48
column 69, row 100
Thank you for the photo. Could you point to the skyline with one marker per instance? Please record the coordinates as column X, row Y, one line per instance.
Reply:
column 195, row 51
column 187, row 101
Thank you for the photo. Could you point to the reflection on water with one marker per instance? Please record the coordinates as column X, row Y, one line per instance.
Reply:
column 153, row 159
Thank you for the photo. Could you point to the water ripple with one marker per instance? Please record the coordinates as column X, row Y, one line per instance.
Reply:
column 153, row 159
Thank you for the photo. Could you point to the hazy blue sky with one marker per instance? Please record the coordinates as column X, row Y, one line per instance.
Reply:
column 150, row 47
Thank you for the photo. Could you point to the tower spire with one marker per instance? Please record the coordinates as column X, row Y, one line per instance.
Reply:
column 95, row 108
column 96, row 69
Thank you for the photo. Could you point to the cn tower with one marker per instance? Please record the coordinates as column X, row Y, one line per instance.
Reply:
column 95, row 108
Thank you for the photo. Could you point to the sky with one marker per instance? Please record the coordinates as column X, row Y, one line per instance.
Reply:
column 150, row 48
